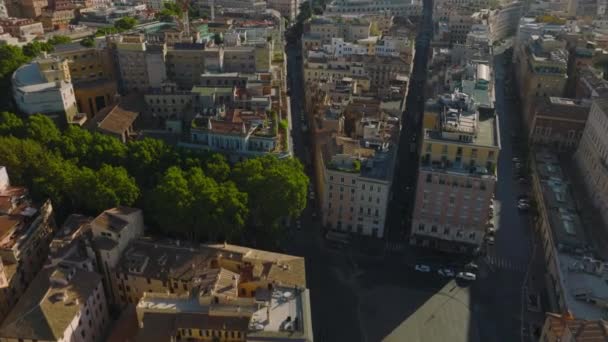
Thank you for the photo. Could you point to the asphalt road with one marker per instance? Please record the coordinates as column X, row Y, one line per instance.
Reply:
column 356, row 297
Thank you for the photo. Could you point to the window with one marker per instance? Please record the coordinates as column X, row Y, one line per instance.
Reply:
column 421, row 227
column 472, row 235
column 446, row 231
column 433, row 229
column 342, row 180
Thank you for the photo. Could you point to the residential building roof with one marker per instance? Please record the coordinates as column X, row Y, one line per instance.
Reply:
column 581, row 330
column 164, row 259
column 114, row 119
column 584, row 280
column 563, row 108
column 49, row 304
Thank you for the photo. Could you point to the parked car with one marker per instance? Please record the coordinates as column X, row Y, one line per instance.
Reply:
column 491, row 230
column 445, row 272
column 466, row 276
column 516, row 160
column 422, row 268
column 471, row 267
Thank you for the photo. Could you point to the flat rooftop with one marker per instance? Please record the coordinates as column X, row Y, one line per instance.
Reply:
column 584, row 280
column 47, row 307
column 281, row 310
column 162, row 259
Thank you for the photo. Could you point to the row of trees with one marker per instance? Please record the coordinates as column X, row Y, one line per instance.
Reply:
column 183, row 192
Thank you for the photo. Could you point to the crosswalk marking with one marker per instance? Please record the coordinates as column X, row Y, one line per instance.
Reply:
column 503, row 263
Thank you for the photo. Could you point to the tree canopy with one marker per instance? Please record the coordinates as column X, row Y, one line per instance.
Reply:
column 183, row 193
column 125, row 23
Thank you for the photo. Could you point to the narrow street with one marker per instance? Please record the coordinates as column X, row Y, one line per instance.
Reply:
column 356, row 297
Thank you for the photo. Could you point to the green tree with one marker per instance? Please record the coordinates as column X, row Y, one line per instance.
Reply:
column 172, row 195
column 11, row 57
column 75, row 143
column 35, row 48
column 125, row 23
column 169, row 11
column 108, row 187
column 24, row 159
column 11, row 124
column 275, row 187
column 58, row 40
column 105, row 149
column 201, row 208
column 42, row 129
column 148, row 159
column 88, row 42
column 217, row 167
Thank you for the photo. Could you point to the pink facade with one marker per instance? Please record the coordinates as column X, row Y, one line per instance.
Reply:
column 451, row 210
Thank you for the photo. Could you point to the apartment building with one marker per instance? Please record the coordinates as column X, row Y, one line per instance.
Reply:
column 558, row 122
column 130, row 52
column 56, row 19
column 187, row 62
column 44, row 86
column 457, row 172
column 61, row 304
column 92, row 75
column 32, row 9
column 22, row 28
column 356, row 181
column 504, row 21
column 26, row 230
column 592, row 156
column 460, row 24
column 541, row 70
column 277, row 314
column 287, row 8
column 349, row 29
column 401, row 8
column 565, row 327
column 112, row 231
column 379, row 70
column 575, row 277
column 237, row 133
column 169, row 102
column 247, row 59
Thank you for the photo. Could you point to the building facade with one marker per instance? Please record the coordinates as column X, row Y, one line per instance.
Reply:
column 592, row 156
column 457, row 175
column 44, row 86
column 26, row 231
column 558, row 122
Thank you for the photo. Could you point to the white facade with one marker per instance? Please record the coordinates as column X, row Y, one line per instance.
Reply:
column 340, row 48
column 392, row 7
column 34, row 94
column 592, row 156
column 503, row 22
